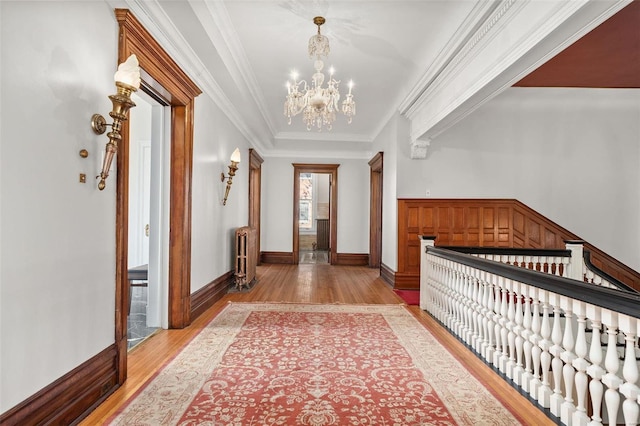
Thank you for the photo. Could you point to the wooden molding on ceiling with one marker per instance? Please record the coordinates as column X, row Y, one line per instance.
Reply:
column 606, row 57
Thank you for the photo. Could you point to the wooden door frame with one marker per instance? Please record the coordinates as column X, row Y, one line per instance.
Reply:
column 180, row 93
column 255, row 195
column 375, row 211
column 332, row 170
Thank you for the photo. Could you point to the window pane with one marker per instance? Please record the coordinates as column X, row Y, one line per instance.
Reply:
column 305, row 219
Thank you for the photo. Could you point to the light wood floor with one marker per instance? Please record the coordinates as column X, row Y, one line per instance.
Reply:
column 305, row 284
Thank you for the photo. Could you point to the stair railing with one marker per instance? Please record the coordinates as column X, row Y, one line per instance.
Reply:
column 572, row 262
column 569, row 345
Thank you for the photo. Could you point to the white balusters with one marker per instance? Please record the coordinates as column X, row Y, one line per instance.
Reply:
column 511, row 324
column 497, row 307
column 519, row 300
column 595, row 370
column 545, row 392
column 611, row 364
column 556, row 350
column 550, row 345
column 534, row 340
column 629, row 389
column 504, row 320
column 567, row 356
column 487, row 312
column 526, row 334
column 581, row 365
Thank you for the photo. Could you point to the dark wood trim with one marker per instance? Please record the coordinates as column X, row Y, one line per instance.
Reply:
column 352, row 259
column 205, row 297
column 154, row 60
column 255, row 195
column 71, row 397
column 332, row 170
column 176, row 85
column 406, row 281
column 388, row 275
column 375, row 210
column 180, row 217
column 277, row 257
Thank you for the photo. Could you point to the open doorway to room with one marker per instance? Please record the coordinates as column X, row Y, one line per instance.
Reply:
column 313, row 219
column 315, row 213
column 161, row 75
column 145, row 236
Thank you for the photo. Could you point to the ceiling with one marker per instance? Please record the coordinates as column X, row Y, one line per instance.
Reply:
column 241, row 53
column 608, row 57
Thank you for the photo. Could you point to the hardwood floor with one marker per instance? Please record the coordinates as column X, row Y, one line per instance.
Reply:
column 305, row 284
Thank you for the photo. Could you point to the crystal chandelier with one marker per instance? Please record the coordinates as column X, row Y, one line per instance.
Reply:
column 317, row 104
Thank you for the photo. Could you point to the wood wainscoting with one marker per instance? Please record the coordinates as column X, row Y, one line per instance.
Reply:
column 484, row 223
column 72, row 396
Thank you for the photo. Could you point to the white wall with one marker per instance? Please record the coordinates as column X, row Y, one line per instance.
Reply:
column 571, row 154
column 277, row 206
column 57, row 252
column 214, row 225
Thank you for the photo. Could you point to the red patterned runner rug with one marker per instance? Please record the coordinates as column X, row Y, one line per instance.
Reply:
column 297, row 364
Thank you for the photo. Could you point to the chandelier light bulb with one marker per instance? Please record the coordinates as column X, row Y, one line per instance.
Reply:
column 318, row 104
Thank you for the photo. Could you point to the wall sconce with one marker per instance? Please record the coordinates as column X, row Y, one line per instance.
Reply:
column 235, row 160
column 127, row 80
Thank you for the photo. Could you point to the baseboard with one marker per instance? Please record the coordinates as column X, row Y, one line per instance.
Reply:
column 352, row 259
column 71, row 397
column 407, row 281
column 276, row 257
column 388, row 275
column 204, row 298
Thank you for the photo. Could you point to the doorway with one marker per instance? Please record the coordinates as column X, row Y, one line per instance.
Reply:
column 147, row 147
column 313, row 219
column 375, row 211
column 315, row 190
column 165, row 77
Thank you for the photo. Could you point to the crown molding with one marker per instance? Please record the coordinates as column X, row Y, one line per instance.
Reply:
column 216, row 22
column 461, row 38
column 499, row 54
column 160, row 26
column 319, row 154
column 471, row 49
column 322, row 137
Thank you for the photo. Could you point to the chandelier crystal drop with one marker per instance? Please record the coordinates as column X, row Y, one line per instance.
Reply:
column 318, row 104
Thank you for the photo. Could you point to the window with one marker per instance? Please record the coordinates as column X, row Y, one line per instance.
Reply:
column 306, row 201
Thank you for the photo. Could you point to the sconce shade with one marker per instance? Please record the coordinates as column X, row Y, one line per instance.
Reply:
column 235, row 157
column 129, row 72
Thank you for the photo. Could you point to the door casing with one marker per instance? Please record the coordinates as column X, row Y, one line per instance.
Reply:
column 165, row 77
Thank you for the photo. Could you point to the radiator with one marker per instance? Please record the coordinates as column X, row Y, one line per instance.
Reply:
column 246, row 256
column 323, row 234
